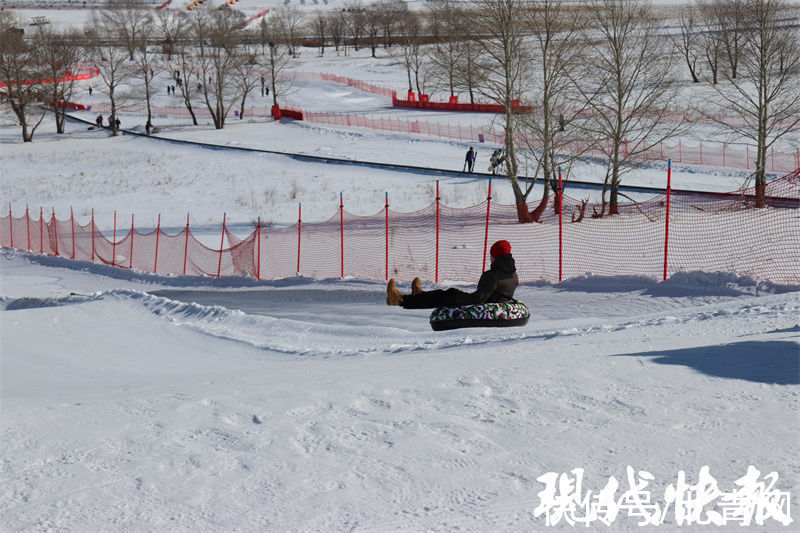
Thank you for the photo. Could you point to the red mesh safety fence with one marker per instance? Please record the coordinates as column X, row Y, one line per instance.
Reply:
column 715, row 154
column 87, row 74
column 707, row 232
column 343, row 80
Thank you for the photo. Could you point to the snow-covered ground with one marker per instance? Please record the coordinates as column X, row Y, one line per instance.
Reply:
column 139, row 402
column 133, row 402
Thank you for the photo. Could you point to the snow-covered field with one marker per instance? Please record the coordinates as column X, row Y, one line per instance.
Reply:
column 135, row 402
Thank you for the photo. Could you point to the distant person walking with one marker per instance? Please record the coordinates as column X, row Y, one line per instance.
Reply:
column 99, row 121
column 469, row 160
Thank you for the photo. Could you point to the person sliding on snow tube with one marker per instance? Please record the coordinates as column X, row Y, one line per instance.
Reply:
column 492, row 303
column 495, row 285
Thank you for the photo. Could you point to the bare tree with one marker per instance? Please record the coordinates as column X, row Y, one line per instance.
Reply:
column 276, row 60
column 356, row 21
column 711, row 38
column 628, row 83
column 469, row 76
column 504, row 59
column 59, row 56
column 390, row 12
column 218, row 33
column 146, row 62
column 337, row 28
column 183, row 69
column 319, row 26
column 20, row 72
column 127, row 21
column 730, row 19
column 289, row 19
column 170, row 26
column 372, row 23
column 110, row 60
column 446, row 53
column 687, row 42
column 764, row 98
column 548, row 131
column 411, row 54
column 248, row 76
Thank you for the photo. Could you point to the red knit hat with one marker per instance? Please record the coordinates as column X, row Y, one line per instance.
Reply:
column 499, row 249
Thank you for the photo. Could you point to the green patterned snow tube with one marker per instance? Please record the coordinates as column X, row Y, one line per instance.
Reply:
column 488, row 315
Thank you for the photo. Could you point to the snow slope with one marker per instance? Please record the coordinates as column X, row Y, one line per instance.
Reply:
column 130, row 401
column 151, row 403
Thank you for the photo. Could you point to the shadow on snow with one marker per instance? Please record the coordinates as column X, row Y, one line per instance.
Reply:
column 771, row 362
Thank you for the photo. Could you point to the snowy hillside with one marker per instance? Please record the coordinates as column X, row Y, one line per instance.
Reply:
column 137, row 402
column 146, row 403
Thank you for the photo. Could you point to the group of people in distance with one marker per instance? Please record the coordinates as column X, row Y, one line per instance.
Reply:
column 99, row 122
column 495, row 160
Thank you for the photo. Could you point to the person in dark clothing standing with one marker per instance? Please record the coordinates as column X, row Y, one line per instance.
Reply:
column 496, row 285
column 469, row 160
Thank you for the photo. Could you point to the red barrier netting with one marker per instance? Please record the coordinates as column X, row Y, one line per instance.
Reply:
column 707, row 232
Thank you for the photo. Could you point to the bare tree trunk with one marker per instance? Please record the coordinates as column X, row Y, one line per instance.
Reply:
column 762, row 101
column 631, row 87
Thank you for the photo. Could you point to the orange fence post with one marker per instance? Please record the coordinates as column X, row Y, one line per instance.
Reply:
column 186, row 246
column 341, row 233
column 158, row 233
column 386, row 210
column 437, row 231
column 72, row 223
column 299, row 227
column 114, row 243
column 41, row 230
column 11, row 224
column 130, row 264
column 55, row 228
column 666, row 229
column 28, row 226
column 92, row 235
column 221, row 243
column 486, row 232
column 560, row 227
column 258, row 248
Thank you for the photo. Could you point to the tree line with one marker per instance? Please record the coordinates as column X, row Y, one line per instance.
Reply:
column 606, row 72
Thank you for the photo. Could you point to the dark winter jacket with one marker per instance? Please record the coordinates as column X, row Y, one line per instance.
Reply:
column 499, row 282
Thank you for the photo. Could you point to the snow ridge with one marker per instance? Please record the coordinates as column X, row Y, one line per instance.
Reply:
column 299, row 338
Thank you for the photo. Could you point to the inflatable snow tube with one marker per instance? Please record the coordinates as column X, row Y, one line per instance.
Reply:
column 489, row 315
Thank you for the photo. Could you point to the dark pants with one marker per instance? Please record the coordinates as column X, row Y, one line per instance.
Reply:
column 438, row 298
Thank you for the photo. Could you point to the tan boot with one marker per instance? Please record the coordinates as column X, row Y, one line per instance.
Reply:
column 393, row 295
column 416, row 286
